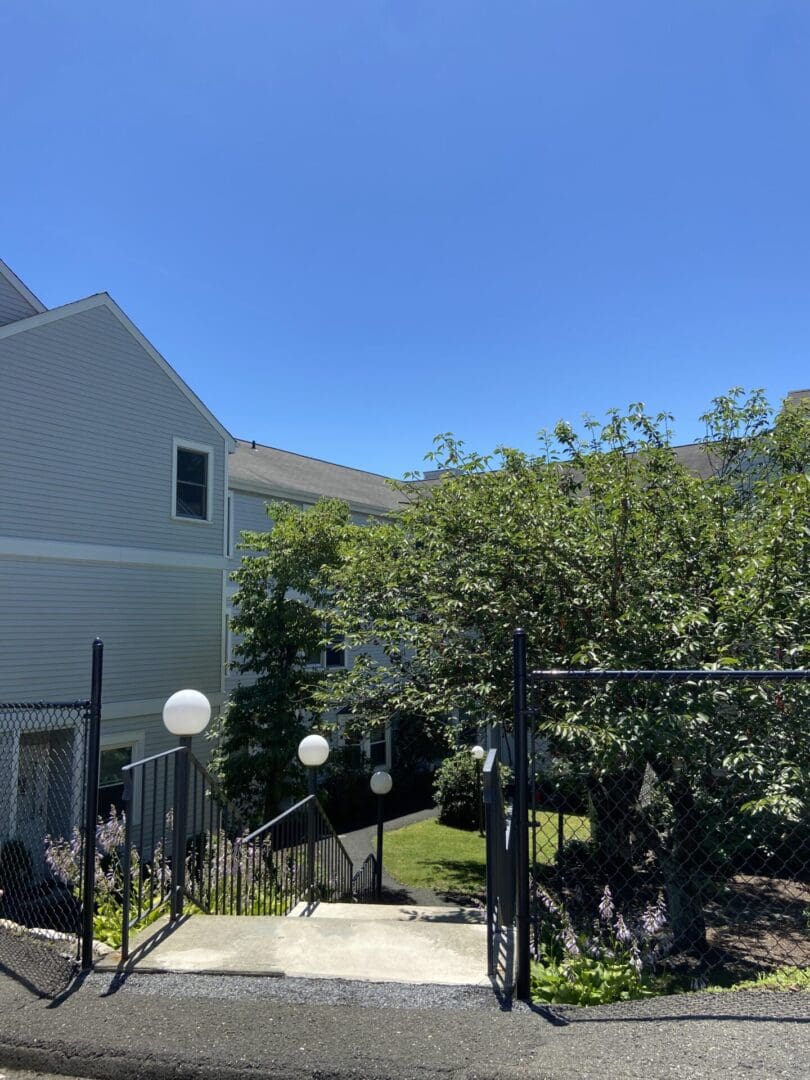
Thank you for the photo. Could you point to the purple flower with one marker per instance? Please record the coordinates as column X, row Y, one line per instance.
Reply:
column 654, row 917
column 569, row 940
column 606, row 908
column 622, row 932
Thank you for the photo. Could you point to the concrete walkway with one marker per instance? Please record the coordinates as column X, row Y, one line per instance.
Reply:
column 375, row 943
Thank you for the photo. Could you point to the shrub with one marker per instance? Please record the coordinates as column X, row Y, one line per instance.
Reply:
column 456, row 790
column 16, row 867
column 616, row 961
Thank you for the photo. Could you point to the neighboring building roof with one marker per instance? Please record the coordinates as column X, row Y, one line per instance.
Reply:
column 105, row 300
column 21, row 287
column 266, row 470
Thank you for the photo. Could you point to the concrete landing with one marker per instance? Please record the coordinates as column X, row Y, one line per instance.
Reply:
column 416, row 945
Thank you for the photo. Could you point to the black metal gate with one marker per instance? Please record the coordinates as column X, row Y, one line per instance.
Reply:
column 662, row 814
column 48, row 806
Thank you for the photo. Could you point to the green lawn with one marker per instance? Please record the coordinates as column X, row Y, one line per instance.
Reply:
column 432, row 856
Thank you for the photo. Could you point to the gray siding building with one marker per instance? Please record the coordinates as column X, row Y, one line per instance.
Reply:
column 122, row 498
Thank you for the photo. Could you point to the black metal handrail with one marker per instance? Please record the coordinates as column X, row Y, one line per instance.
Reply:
column 500, row 859
column 364, row 880
column 178, row 840
column 296, row 856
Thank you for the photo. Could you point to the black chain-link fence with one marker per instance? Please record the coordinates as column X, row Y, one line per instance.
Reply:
column 669, row 821
column 43, row 763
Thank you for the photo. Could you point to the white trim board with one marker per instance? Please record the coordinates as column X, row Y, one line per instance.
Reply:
column 106, row 301
column 20, row 287
column 25, row 547
column 121, row 710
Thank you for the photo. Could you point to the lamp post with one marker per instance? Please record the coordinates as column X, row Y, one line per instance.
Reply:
column 313, row 750
column 185, row 714
column 478, row 753
column 381, row 784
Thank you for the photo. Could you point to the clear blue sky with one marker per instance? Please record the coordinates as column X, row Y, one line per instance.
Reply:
column 351, row 225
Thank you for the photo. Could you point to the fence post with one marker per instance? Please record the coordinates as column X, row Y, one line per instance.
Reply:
column 91, row 806
column 127, row 868
column 490, row 844
column 182, row 765
column 520, row 821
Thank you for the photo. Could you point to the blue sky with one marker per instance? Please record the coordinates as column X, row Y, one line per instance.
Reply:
column 350, row 226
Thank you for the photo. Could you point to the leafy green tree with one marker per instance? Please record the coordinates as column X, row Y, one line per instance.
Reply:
column 610, row 552
column 279, row 617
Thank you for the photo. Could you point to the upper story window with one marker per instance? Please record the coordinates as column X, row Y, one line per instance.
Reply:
column 191, row 481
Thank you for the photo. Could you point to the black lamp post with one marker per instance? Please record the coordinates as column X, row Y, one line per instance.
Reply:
column 186, row 713
column 381, row 784
column 313, row 750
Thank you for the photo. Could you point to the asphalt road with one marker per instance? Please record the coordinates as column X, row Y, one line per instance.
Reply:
column 240, row 1028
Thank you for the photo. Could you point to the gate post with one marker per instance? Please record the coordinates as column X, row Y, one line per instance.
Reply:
column 520, row 821
column 91, row 806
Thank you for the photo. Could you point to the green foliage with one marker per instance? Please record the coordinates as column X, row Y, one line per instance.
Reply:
column 785, row 979
column 583, row 980
column 610, row 552
column 618, row 960
column 457, row 790
column 280, row 622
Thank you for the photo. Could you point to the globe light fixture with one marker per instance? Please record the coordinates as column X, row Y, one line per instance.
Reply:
column 187, row 713
column 381, row 782
column 313, row 750
column 478, row 752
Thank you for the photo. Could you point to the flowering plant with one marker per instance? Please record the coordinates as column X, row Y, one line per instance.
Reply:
column 618, row 960
column 64, row 859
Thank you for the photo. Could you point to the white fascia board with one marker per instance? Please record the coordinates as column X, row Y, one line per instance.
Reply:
column 244, row 487
column 105, row 300
column 120, row 710
column 24, row 547
column 21, row 287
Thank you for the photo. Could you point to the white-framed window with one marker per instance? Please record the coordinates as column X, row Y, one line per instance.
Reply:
column 116, row 752
column 192, row 467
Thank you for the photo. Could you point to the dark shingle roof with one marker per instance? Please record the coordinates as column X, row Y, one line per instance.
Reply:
column 269, row 471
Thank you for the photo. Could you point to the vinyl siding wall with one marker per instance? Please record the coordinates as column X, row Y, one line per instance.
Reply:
column 87, row 420
column 161, row 628
column 13, row 306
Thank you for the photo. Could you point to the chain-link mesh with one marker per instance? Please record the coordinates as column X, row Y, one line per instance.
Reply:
column 670, row 820
column 42, row 776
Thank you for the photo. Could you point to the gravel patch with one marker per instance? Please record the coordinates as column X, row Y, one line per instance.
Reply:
column 295, row 991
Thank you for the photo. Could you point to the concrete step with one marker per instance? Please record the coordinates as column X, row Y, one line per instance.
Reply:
column 416, row 950
column 390, row 913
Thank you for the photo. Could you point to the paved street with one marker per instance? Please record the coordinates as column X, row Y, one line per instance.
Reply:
column 197, row 1026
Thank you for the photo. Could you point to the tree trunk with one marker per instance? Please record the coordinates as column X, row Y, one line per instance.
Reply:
column 613, row 800
column 683, row 872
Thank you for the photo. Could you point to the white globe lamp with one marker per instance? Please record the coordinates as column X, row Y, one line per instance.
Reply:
column 381, row 782
column 187, row 713
column 478, row 753
column 313, row 750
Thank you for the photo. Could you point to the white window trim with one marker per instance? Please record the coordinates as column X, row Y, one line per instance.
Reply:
column 137, row 740
column 198, row 448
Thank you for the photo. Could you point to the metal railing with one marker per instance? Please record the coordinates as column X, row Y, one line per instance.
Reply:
column 500, row 860
column 296, row 856
column 179, row 840
column 364, row 880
